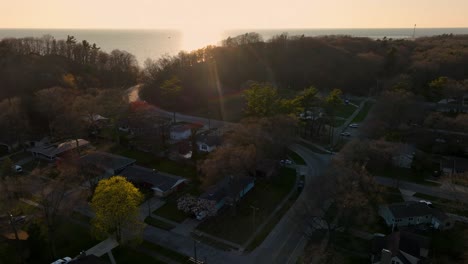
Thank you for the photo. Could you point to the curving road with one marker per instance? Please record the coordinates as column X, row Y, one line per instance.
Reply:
column 286, row 242
column 133, row 96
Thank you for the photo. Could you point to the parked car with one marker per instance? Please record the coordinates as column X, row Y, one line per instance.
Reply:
column 345, row 134
column 18, row 169
column 354, row 125
column 285, row 162
column 63, row 260
column 300, row 185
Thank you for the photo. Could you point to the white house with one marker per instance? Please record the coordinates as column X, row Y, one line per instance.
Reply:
column 208, row 143
column 180, row 132
column 414, row 213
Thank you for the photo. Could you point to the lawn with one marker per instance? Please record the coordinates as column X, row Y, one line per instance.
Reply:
column 363, row 113
column 169, row 211
column 402, row 174
column 158, row 223
column 72, row 238
column 131, row 255
column 344, row 110
column 236, row 223
column 33, row 164
column 271, row 224
column 445, row 205
column 161, row 164
column 296, row 158
column 176, row 256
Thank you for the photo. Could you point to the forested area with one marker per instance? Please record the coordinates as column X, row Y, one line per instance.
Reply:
column 358, row 66
column 28, row 65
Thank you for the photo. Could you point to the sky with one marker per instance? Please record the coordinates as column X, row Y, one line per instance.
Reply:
column 234, row 14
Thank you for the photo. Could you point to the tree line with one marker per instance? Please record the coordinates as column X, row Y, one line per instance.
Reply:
column 30, row 64
column 358, row 66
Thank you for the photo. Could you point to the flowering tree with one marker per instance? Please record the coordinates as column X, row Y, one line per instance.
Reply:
column 193, row 205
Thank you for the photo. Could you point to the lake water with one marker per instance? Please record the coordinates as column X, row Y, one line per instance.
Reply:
column 155, row 43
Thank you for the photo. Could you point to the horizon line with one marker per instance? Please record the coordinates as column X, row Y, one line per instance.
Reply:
column 229, row 29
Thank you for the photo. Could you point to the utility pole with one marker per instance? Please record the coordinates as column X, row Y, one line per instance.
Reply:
column 195, row 249
column 414, row 31
column 254, row 209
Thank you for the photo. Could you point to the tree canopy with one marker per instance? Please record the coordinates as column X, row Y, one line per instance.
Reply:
column 116, row 205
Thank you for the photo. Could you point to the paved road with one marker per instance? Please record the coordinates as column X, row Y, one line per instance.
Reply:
column 287, row 241
column 133, row 96
column 429, row 190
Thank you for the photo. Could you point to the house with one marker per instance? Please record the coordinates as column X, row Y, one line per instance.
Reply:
column 51, row 151
column 162, row 184
column 104, row 164
column 229, row 190
column 405, row 157
column 453, row 165
column 180, row 132
column 414, row 213
column 401, row 247
column 208, row 143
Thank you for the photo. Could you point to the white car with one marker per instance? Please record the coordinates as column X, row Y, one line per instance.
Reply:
column 345, row 134
column 63, row 260
column 286, row 162
column 354, row 125
column 18, row 169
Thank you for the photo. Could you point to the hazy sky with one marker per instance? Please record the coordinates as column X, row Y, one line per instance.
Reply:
column 223, row 14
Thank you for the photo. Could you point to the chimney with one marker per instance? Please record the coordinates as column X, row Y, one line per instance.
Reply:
column 386, row 257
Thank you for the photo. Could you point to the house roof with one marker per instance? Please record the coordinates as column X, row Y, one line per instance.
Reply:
column 458, row 164
column 226, row 187
column 106, row 161
column 409, row 209
column 162, row 181
column 57, row 149
column 399, row 241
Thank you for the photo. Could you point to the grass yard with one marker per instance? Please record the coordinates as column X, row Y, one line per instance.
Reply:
column 345, row 110
column 176, row 256
column 236, row 224
column 161, row 164
column 363, row 113
column 158, row 223
column 72, row 238
column 35, row 164
column 402, row 174
column 131, row 255
column 271, row 224
column 449, row 206
column 169, row 211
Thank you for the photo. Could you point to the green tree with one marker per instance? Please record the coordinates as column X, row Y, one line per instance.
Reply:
column 116, row 205
column 262, row 100
column 171, row 89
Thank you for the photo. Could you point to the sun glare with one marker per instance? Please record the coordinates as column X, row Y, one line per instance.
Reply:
column 197, row 37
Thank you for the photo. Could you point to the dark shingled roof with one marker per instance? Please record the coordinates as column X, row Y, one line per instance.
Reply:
column 106, row 161
column 410, row 209
column 210, row 140
column 396, row 242
column 226, row 188
column 162, row 181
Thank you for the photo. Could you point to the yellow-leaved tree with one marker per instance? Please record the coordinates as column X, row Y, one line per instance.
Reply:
column 116, row 205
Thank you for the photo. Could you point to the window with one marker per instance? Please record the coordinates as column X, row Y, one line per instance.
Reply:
column 204, row 147
column 411, row 218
